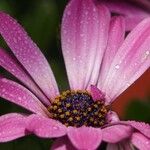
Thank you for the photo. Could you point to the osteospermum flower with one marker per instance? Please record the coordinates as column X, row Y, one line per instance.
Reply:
column 100, row 64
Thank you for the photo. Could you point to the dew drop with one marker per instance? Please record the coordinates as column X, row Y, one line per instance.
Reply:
column 4, row 80
column 147, row 53
column 117, row 66
column 69, row 13
column 128, row 84
column 3, row 90
column 65, row 32
column 135, row 64
column 55, row 128
column 81, row 35
column 12, row 70
column 86, row 13
column 19, row 98
column 19, row 38
column 25, row 41
column 15, row 40
column 6, row 22
column 24, row 97
column 94, row 10
column 67, row 51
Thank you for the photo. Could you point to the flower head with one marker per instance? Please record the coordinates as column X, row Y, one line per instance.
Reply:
column 100, row 62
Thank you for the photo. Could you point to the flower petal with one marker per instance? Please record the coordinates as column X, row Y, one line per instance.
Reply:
column 28, row 54
column 84, row 37
column 11, row 64
column 104, row 18
column 115, row 40
column 85, row 137
column 96, row 93
column 45, row 127
column 120, row 132
column 133, row 14
column 112, row 117
column 62, row 143
column 19, row 95
column 140, row 141
column 12, row 126
column 130, row 62
column 140, row 126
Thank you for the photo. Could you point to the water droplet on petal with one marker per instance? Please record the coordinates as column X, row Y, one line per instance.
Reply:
column 19, row 98
column 94, row 10
column 15, row 40
column 69, row 13
column 117, row 66
column 3, row 90
column 55, row 127
column 6, row 22
column 147, row 52
column 19, row 38
column 135, row 64
column 67, row 51
column 25, row 41
column 128, row 84
column 81, row 35
column 86, row 12
column 12, row 70
column 147, row 142
column 65, row 32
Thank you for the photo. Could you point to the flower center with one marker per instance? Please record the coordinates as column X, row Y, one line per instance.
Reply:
column 77, row 108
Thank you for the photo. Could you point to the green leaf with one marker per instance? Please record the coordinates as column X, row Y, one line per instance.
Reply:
column 138, row 110
column 27, row 143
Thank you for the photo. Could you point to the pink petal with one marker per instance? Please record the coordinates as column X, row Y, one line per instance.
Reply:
column 132, row 22
column 96, row 93
column 45, row 127
column 19, row 95
column 84, row 37
column 130, row 62
column 11, row 64
column 112, row 117
column 62, row 143
column 104, row 18
column 12, row 126
column 133, row 15
column 140, row 141
column 140, row 126
column 85, row 137
column 28, row 54
column 115, row 40
column 116, row 133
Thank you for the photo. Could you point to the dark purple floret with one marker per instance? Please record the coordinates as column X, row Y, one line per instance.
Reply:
column 77, row 108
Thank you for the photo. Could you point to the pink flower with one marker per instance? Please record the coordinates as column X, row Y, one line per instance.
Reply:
column 100, row 62
column 134, row 11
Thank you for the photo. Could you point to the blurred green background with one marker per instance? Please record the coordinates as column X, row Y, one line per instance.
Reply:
column 42, row 20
